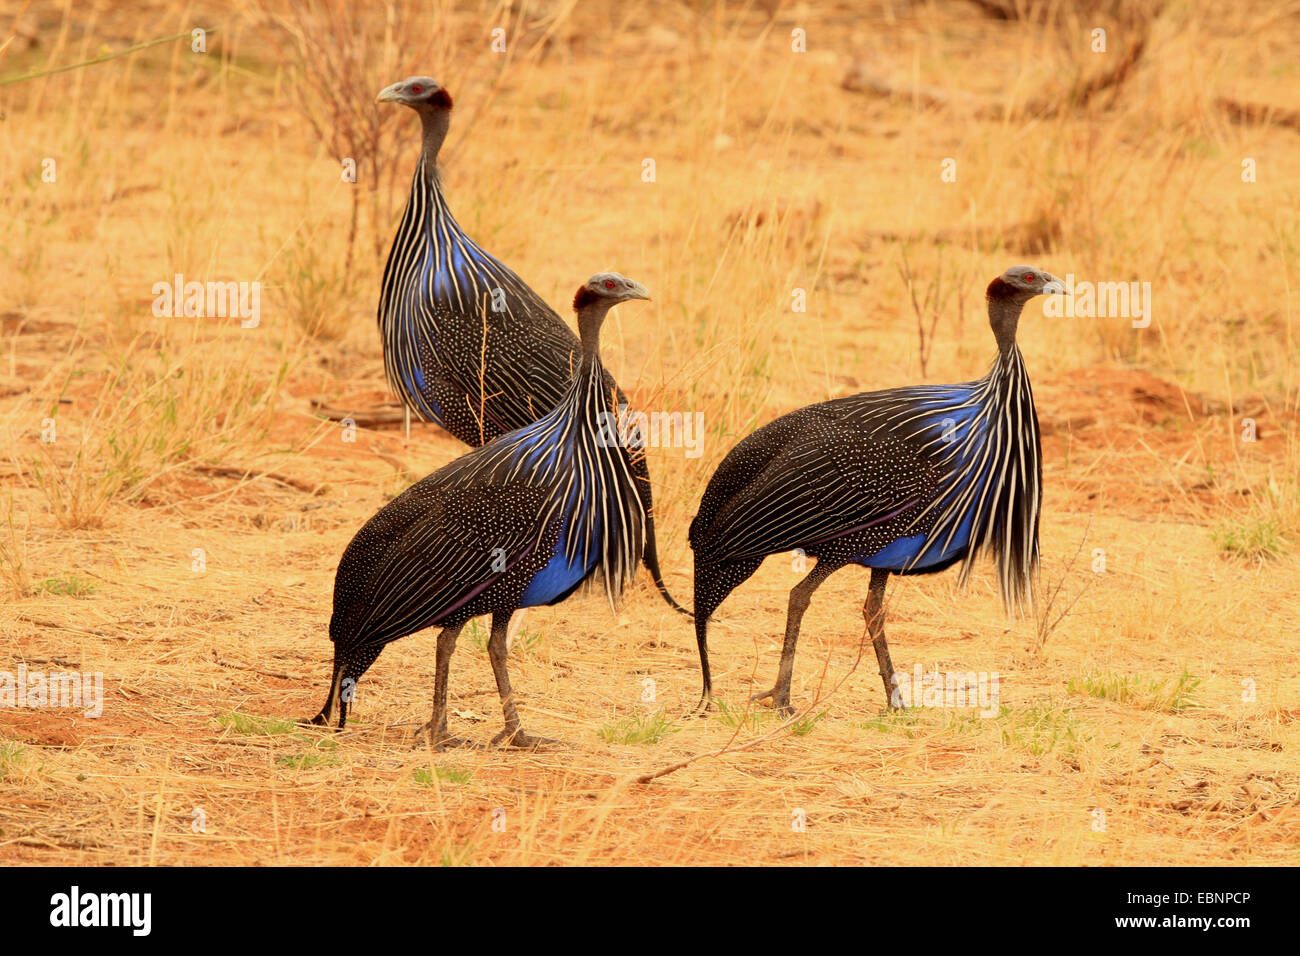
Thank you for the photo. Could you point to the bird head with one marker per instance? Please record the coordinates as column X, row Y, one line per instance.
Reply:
column 1022, row 283
column 609, row 288
column 417, row 92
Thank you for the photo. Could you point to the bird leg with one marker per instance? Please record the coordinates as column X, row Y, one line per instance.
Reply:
column 702, row 639
column 512, row 735
column 516, row 625
column 874, row 612
column 434, row 733
column 326, row 715
column 800, row 597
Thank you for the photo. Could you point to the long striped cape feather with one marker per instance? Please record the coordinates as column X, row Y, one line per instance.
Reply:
column 960, row 461
column 451, row 536
column 442, row 290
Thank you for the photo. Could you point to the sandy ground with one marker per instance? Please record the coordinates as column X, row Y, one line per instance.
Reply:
column 180, row 533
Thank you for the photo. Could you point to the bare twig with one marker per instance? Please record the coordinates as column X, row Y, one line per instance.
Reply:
column 248, row 474
column 1045, row 623
column 99, row 59
column 732, row 747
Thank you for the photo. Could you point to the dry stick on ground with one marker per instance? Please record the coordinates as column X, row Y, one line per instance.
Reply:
column 731, row 747
column 57, row 626
column 249, row 474
column 861, row 78
column 1242, row 112
column 389, row 413
column 256, row 670
column 402, row 467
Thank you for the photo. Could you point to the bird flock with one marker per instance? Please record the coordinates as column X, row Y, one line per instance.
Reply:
column 904, row 481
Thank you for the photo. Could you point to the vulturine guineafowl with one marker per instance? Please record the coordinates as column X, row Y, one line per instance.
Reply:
column 519, row 522
column 467, row 343
column 903, row 481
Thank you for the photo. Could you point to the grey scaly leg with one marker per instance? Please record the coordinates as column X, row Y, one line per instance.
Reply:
column 800, row 597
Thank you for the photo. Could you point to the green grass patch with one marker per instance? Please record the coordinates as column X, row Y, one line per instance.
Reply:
column 804, row 725
column 903, row 722
column 1039, row 729
column 10, row 756
column 638, row 729
column 520, row 645
column 70, row 585
column 323, row 754
column 1150, row 693
column 250, row 724
column 425, row 777
column 1254, row 537
column 748, row 717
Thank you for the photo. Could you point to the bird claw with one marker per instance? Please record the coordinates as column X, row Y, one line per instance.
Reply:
column 780, row 701
column 439, row 740
column 702, row 708
column 518, row 740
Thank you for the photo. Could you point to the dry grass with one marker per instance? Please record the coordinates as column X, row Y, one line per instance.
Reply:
column 181, row 531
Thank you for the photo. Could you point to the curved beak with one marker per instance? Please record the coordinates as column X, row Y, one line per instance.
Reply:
column 638, row 291
column 390, row 94
column 1054, row 286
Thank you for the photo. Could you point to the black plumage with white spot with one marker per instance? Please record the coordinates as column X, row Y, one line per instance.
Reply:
column 903, row 481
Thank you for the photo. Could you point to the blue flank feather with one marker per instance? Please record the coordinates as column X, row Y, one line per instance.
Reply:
column 559, row 576
column 909, row 553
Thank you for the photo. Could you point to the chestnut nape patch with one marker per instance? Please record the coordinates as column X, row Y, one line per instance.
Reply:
column 999, row 289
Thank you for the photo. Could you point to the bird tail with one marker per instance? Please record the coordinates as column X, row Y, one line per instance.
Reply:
column 650, row 553
column 651, row 558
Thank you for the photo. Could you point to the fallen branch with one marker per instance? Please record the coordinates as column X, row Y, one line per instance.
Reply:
column 255, row 670
column 402, row 467
column 1240, row 112
column 244, row 474
column 390, row 413
column 862, row 79
column 43, row 622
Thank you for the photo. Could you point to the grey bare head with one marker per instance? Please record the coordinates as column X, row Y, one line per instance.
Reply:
column 1007, row 295
column 433, row 105
column 1023, row 283
column 607, row 288
column 595, row 297
column 420, row 93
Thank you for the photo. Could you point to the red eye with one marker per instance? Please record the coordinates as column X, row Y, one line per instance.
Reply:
column 609, row 283
column 1029, row 277
column 417, row 89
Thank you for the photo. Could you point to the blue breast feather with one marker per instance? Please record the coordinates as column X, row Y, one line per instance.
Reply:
column 953, row 418
column 537, row 450
column 559, row 576
column 450, row 267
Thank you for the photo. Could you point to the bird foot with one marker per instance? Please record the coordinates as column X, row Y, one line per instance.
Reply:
column 427, row 737
column 780, row 700
column 518, row 740
column 702, row 708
